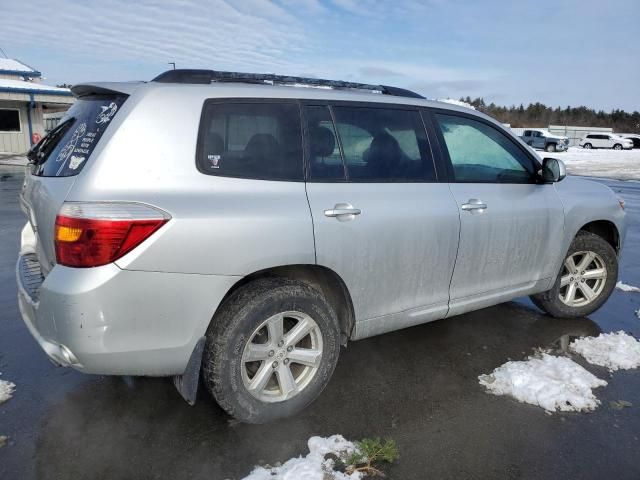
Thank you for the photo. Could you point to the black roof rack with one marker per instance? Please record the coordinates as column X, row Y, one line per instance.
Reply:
column 208, row 76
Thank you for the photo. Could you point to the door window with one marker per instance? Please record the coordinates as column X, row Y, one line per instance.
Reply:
column 251, row 140
column 325, row 160
column 381, row 144
column 480, row 153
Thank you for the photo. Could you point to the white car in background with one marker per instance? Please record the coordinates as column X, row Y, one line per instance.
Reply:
column 606, row 140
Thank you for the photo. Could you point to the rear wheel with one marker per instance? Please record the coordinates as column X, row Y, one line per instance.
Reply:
column 587, row 146
column 270, row 350
column 585, row 281
column 617, row 146
column 551, row 147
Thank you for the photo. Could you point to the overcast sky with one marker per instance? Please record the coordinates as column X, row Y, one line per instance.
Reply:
column 556, row 52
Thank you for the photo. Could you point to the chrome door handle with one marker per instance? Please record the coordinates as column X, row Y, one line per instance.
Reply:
column 474, row 205
column 343, row 211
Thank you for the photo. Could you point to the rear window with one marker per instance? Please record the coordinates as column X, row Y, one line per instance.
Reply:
column 251, row 140
column 65, row 150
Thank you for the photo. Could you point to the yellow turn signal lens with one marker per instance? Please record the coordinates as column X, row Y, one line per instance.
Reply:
column 67, row 234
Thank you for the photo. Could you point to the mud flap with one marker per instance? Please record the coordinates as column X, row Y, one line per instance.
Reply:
column 187, row 383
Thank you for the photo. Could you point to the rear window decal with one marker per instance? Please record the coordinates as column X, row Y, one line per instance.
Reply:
column 75, row 162
column 108, row 111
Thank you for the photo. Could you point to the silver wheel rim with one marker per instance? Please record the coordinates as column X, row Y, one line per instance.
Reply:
column 282, row 356
column 584, row 275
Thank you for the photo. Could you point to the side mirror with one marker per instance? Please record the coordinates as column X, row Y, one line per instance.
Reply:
column 553, row 170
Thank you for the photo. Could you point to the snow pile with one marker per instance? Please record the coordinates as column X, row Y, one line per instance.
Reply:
column 6, row 390
column 553, row 383
column 626, row 288
column 614, row 351
column 314, row 466
column 459, row 103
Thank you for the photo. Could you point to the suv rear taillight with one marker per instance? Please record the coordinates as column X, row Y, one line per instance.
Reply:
column 93, row 234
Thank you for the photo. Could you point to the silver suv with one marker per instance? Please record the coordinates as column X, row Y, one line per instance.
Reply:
column 241, row 228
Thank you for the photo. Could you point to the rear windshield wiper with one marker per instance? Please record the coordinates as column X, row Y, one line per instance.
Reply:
column 41, row 150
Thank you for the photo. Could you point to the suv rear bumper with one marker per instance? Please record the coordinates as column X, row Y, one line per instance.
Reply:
column 111, row 321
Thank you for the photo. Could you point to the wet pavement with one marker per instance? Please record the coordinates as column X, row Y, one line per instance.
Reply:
column 418, row 386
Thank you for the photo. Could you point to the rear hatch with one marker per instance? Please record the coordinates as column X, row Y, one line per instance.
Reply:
column 56, row 161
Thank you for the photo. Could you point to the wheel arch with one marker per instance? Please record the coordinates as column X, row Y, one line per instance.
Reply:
column 323, row 279
column 605, row 229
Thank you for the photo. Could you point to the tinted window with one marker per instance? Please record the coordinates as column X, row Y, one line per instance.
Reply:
column 527, row 133
column 383, row 144
column 64, row 151
column 480, row 153
column 325, row 160
column 251, row 140
column 9, row 120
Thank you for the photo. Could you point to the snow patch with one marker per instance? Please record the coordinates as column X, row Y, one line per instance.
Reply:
column 626, row 288
column 603, row 163
column 615, row 351
column 314, row 466
column 6, row 390
column 459, row 103
column 553, row 383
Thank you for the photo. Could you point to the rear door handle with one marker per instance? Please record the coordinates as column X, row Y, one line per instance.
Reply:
column 343, row 211
column 474, row 205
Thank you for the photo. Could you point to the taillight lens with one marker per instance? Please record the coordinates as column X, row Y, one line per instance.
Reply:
column 94, row 234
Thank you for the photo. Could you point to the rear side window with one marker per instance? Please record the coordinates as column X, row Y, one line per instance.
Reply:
column 384, row 145
column 251, row 140
column 65, row 150
column 325, row 160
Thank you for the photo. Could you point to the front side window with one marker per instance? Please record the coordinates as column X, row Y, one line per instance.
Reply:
column 481, row 153
column 381, row 144
column 9, row 120
column 251, row 140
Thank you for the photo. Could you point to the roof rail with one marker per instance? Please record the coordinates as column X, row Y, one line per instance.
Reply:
column 205, row 77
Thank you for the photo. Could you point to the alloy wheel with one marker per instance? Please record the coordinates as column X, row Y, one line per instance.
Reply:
column 583, row 278
column 282, row 356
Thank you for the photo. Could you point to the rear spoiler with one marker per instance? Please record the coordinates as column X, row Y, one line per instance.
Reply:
column 104, row 88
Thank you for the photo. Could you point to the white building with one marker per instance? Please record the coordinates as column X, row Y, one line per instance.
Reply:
column 23, row 102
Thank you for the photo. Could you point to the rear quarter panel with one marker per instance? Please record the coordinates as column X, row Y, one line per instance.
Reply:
column 223, row 226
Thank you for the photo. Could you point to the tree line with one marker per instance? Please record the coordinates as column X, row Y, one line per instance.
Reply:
column 541, row 116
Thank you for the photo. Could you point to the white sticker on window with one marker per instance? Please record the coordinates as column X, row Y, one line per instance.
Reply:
column 75, row 162
column 108, row 111
column 214, row 160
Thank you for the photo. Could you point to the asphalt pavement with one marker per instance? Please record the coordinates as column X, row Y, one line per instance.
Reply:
column 418, row 386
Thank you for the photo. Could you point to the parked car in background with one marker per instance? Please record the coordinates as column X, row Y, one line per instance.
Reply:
column 541, row 138
column 239, row 228
column 605, row 140
column 634, row 137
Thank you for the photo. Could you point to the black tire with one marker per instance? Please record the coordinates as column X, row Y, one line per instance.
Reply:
column 231, row 329
column 550, row 302
column 617, row 146
column 550, row 147
column 587, row 146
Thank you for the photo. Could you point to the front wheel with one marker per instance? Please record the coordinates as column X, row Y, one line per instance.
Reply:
column 585, row 281
column 587, row 146
column 551, row 147
column 617, row 146
column 270, row 350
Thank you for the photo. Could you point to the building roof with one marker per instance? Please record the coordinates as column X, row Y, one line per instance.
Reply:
column 9, row 66
column 21, row 86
